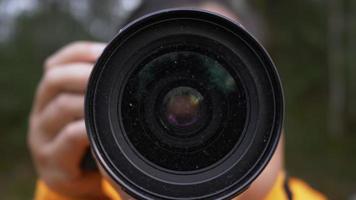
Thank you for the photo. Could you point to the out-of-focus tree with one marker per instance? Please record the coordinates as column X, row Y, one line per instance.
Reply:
column 351, row 64
column 336, row 63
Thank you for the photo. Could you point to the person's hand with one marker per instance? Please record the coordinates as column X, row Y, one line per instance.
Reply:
column 57, row 135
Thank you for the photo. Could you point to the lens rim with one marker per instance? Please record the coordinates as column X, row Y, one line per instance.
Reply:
column 94, row 97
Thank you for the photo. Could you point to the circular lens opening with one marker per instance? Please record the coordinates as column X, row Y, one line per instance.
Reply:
column 183, row 110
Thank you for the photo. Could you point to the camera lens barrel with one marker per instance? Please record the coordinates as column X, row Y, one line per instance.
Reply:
column 184, row 104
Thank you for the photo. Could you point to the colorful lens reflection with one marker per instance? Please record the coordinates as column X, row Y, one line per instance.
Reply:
column 182, row 106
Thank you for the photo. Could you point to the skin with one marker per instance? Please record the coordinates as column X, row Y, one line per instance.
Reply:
column 57, row 136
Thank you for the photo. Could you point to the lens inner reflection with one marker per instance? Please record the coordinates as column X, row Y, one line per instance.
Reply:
column 182, row 106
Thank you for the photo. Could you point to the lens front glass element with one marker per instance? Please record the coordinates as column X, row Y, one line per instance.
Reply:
column 183, row 110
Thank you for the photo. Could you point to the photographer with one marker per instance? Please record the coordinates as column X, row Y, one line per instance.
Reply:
column 58, row 138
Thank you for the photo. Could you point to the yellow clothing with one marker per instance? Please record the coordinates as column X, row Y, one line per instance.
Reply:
column 283, row 189
column 292, row 189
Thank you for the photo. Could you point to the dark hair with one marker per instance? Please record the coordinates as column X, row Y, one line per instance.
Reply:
column 149, row 6
column 247, row 16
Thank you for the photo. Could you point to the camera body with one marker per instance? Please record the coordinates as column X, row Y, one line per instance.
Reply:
column 184, row 104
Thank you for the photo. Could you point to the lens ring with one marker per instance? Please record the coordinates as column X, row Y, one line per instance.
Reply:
column 153, row 121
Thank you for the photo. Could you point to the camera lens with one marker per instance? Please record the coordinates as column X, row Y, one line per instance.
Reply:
column 184, row 104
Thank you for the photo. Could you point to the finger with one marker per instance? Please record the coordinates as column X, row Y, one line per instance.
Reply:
column 71, row 78
column 75, row 52
column 63, row 109
column 63, row 155
column 68, row 149
column 70, row 145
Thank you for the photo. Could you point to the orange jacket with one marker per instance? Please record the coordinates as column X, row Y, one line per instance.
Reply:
column 283, row 189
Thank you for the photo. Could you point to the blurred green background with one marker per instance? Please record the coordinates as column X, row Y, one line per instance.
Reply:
column 313, row 43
